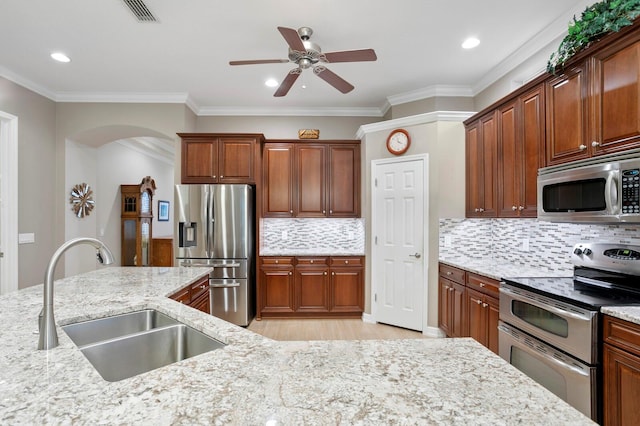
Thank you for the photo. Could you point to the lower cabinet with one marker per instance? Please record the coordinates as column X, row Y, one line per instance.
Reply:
column 468, row 305
column 621, row 372
column 195, row 295
column 303, row 287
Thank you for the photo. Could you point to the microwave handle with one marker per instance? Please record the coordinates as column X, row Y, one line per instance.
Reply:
column 611, row 192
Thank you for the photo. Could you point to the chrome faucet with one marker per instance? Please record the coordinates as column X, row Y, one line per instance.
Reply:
column 48, row 335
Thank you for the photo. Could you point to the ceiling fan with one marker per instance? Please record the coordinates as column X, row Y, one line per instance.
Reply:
column 307, row 54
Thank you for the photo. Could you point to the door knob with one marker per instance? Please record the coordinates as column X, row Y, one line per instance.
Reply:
column 417, row 255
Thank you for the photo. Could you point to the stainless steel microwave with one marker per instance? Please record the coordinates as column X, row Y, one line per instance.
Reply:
column 605, row 192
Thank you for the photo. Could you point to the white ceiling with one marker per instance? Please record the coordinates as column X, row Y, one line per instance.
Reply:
column 184, row 56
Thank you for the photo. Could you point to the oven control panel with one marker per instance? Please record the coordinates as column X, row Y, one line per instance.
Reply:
column 617, row 257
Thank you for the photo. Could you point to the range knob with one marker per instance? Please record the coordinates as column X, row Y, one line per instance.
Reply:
column 577, row 251
column 587, row 252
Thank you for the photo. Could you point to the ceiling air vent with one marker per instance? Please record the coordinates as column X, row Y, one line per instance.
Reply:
column 140, row 10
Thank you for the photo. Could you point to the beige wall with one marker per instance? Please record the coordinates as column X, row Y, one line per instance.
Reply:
column 36, row 176
column 444, row 142
column 276, row 127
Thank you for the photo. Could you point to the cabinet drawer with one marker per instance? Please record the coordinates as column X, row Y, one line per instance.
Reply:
column 451, row 273
column 309, row 261
column 199, row 288
column 182, row 296
column 347, row 261
column 483, row 284
column 621, row 333
column 284, row 261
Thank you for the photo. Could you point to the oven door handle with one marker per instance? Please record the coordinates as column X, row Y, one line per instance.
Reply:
column 541, row 354
column 561, row 312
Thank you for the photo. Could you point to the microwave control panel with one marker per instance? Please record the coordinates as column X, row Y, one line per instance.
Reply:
column 631, row 191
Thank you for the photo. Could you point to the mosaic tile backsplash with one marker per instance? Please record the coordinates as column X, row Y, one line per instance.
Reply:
column 322, row 237
column 526, row 242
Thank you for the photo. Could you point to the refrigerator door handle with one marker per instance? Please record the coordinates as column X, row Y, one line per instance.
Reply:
column 211, row 265
column 230, row 285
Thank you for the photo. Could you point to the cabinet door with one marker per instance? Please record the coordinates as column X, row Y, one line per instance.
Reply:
column 310, row 167
column 459, row 325
column 477, row 316
column 202, row 303
column 344, row 181
column 621, row 387
column 481, row 168
column 347, row 289
column 276, row 290
column 489, row 165
column 444, row 305
column 509, row 161
column 312, row 289
column 567, row 112
column 531, row 149
column 199, row 161
column 278, row 174
column 236, row 160
column 473, row 150
column 492, row 310
column 616, row 99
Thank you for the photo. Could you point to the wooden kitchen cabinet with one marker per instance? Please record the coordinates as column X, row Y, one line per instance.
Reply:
column 276, row 294
column 219, row 158
column 481, row 167
column 483, row 309
column 621, row 372
column 520, row 153
column 320, row 179
column 452, row 301
column 312, row 284
column 195, row 295
column 311, row 287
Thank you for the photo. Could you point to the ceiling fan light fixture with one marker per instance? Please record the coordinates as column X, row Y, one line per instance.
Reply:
column 271, row 82
column 470, row 43
column 60, row 57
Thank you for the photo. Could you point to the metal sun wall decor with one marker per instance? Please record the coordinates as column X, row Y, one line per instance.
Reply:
column 81, row 200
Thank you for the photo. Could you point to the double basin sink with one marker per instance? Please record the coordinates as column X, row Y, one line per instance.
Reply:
column 123, row 346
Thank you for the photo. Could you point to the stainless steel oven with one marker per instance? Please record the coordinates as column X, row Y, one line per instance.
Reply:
column 549, row 326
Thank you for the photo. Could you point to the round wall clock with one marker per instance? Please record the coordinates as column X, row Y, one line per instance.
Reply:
column 81, row 200
column 398, row 142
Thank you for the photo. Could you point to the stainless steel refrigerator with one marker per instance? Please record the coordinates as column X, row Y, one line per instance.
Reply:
column 215, row 227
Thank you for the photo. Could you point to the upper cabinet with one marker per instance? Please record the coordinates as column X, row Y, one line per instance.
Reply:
column 481, row 157
column 593, row 107
column 319, row 179
column 219, row 158
column 520, row 153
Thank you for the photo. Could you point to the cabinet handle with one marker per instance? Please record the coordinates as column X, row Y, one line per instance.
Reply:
column 202, row 286
column 484, row 305
column 478, row 302
column 346, row 261
column 221, row 177
column 514, row 208
column 520, row 208
column 481, row 209
column 451, row 289
column 449, row 273
column 325, row 272
column 330, row 211
column 291, row 211
column 214, row 176
column 324, row 211
column 277, row 261
column 446, row 287
column 477, row 210
column 333, row 273
column 582, row 147
column 311, row 261
column 482, row 284
column 595, row 144
column 290, row 273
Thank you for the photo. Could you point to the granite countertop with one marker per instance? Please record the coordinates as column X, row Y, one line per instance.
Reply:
column 627, row 313
column 253, row 380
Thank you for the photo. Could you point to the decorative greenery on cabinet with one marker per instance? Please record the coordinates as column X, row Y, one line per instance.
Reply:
column 596, row 20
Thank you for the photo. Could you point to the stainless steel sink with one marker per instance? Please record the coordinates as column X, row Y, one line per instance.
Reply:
column 160, row 341
column 86, row 332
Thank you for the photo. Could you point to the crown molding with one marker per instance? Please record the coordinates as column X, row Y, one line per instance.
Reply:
column 123, row 97
column 430, row 92
column 292, row 111
column 430, row 117
column 27, row 84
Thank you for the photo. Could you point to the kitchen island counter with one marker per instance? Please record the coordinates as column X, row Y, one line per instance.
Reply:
column 253, row 380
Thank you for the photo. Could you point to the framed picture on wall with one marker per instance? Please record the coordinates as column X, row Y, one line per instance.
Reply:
column 163, row 211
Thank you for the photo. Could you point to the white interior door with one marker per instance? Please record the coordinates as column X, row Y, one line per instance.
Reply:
column 399, row 234
column 8, row 203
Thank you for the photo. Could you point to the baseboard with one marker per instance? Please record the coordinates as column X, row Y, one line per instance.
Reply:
column 368, row 318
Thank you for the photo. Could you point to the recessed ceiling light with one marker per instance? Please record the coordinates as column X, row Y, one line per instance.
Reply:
column 470, row 43
column 272, row 82
column 60, row 57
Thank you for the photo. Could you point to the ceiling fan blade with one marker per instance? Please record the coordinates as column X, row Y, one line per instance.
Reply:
column 288, row 82
column 259, row 61
column 333, row 79
column 351, row 56
column 292, row 38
